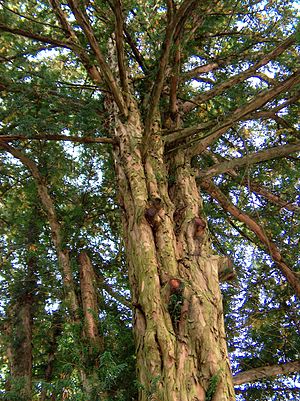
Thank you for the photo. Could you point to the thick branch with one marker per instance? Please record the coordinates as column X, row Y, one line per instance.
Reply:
column 265, row 372
column 243, row 111
column 240, row 77
column 216, row 63
column 35, row 36
column 255, row 186
column 270, row 246
column 275, row 199
column 90, row 307
column 272, row 113
column 173, row 24
column 73, row 39
column 107, row 74
column 138, row 56
column 10, row 138
column 117, row 9
column 252, row 158
column 203, row 135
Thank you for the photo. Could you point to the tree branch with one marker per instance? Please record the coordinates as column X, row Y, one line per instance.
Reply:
column 35, row 36
column 241, row 112
column 109, row 79
column 117, row 10
column 49, row 207
column 255, row 186
column 272, row 113
column 270, row 246
column 72, row 38
column 203, row 135
column 266, row 372
column 173, row 23
column 108, row 288
column 252, row 158
column 188, row 106
column 138, row 56
column 275, row 199
column 10, row 138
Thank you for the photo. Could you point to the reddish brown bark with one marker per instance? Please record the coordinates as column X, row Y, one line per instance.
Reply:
column 89, row 301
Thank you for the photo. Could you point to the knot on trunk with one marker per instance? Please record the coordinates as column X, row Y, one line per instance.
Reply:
column 154, row 213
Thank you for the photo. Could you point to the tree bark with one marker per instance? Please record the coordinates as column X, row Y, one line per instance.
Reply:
column 53, row 345
column 178, row 317
column 89, row 302
column 21, row 325
column 94, row 341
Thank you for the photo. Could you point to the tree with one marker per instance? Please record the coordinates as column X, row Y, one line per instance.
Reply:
column 186, row 95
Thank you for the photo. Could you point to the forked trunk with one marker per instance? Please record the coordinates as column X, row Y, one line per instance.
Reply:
column 178, row 318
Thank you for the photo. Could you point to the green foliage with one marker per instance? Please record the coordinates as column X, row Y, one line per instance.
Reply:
column 212, row 386
column 174, row 308
column 46, row 90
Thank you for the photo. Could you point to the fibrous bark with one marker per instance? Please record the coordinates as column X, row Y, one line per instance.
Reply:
column 179, row 357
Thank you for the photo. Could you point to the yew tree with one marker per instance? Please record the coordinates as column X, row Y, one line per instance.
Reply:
column 195, row 103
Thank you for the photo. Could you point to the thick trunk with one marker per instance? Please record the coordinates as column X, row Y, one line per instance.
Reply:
column 178, row 320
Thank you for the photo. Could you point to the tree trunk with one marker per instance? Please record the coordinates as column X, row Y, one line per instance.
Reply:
column 21, row 322
column 91, row 335
column 53, row 346
column 178, row 318
column 89, row 303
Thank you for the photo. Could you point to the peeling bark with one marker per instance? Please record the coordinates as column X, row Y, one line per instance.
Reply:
column 174, row 361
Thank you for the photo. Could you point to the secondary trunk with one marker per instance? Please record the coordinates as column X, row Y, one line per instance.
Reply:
column 21, row 323
column 91, row 336
column 178, row 319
